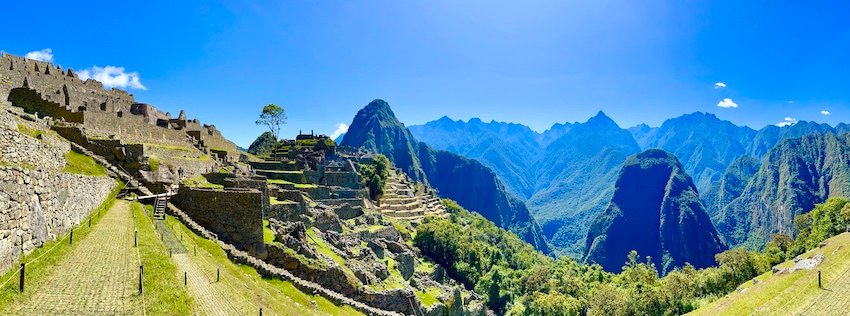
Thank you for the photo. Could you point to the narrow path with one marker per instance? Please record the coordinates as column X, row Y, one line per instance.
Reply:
column 98, row 277
column 208, row 295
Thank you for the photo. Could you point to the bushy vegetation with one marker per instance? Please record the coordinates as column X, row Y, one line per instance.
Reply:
column 375, row 175
column 263, row 145
column 78, row 163
column 517, row 280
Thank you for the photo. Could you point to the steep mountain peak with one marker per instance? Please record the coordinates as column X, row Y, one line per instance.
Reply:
column 475, row 120
column 600, row 120
column 378, row 105
column 656, row 211
column 445, row 119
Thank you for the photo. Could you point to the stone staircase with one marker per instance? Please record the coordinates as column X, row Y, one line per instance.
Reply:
column 159, row 208
column 402, row 201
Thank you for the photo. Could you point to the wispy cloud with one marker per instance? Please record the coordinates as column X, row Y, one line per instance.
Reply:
column 788, row 121
column 340, row 128
column 112, row 76
column 825, row 112
column 42, row 55
column 719, row 85
column 727, row 103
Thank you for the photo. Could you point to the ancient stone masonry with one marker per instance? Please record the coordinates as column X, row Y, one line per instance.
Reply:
column 39, row 202
column 402, row 200
column 59, row 86
column 41, row 88
column 236, row 216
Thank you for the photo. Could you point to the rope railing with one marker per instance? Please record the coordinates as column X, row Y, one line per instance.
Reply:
column 94, row 214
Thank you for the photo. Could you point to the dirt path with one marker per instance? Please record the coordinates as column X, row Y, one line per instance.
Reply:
column 98, row 277
column 209, row 295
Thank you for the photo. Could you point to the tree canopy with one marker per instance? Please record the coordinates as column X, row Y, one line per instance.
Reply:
column 272, row 116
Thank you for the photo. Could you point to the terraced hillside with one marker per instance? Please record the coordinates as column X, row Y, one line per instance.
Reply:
column 402, row 200
column 795, row 293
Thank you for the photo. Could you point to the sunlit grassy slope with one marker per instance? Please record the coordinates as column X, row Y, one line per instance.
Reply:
column 796, row 293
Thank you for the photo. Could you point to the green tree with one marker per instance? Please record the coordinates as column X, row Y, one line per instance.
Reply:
column 272, row 116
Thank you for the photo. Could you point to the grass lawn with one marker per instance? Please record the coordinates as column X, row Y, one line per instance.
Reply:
column 200, row 182
column 49, row 256
column 82, row 164
column 276, row 295
column 297, row 185
column 794, row 293
column 164, row 291
column 429, row 296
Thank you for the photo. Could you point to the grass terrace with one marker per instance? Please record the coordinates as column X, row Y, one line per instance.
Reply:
column 78, row 163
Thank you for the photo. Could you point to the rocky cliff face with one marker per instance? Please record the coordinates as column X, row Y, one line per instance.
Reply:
column 794, row 176
column 466, row 181
column 656, row 211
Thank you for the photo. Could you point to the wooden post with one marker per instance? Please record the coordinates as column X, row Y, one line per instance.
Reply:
column 819, row 284
column 196, row 250
column 185, row 278
column 217, row 274
column 71, row 241
column 23, row 271
column 89, row 222
column 136, row 238
column 141, row 276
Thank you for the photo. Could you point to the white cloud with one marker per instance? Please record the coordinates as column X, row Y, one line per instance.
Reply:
column 112, row 76
column 42, row 55
column 340, row 128
column 727, row 103
column 788, row 121
column 719, row 85
column 825, row 112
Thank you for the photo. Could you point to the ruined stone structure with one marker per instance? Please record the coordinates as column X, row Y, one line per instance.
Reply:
column 38, row 201
column 41, row 88
column 402, row 200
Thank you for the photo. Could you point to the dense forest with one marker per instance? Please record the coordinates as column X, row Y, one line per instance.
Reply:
column 517, row 280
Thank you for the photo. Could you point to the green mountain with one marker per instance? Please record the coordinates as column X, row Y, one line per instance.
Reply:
column 794, row 176
column 731, row 184
column 656, row 211
column 575, row 177
column 263, row 144
column 510, row 150
column 471, row 184
column 703, row 143
column 566, row 173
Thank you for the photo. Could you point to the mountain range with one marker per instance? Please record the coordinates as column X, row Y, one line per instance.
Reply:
column 566, row 174
column 468, row 182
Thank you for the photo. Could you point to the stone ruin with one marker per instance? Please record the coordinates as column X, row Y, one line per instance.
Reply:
column 50, row 91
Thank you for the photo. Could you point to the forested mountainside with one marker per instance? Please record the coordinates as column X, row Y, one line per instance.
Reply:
column 467, row 181
column 794, row 176
column 656, row 211
column 566, row 173
column 571, row 179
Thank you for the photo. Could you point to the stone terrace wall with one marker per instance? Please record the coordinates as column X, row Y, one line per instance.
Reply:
column 236, row 216
column 39, row 202
column 36, row 206
column 132, row 129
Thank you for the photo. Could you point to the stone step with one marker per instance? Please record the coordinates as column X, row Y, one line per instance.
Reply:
column 398, row 200
column 402, row 207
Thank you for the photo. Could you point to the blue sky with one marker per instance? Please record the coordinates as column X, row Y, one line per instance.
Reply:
column 530, row 62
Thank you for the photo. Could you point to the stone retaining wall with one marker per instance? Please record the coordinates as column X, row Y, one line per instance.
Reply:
column 236, row 216
column 36, row 206
column 270, row 271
